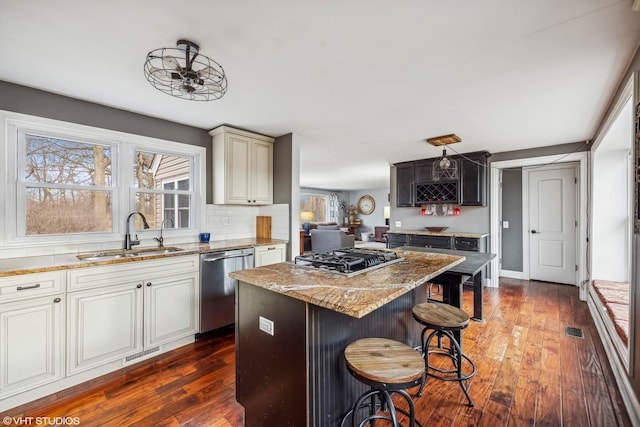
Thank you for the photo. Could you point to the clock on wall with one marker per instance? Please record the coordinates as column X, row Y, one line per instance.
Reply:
column 366, row 204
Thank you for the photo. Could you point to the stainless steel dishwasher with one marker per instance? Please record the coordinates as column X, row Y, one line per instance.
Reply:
column 217, row 289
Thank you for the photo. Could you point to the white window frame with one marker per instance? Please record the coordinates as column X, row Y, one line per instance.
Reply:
column 123, row 146
column 322, row 195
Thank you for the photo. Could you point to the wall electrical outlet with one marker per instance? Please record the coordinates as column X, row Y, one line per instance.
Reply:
column 266, row 325
column 505, row 224
column 398, row 223
column 226, row 220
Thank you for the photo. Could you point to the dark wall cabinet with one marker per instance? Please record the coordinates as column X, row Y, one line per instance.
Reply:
column 415, row 185
column 405, row 189
column 473, row 179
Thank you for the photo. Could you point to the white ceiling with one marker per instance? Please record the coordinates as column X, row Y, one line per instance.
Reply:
column 359, row 83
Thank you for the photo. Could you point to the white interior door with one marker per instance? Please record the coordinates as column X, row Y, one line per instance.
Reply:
column 552, row 223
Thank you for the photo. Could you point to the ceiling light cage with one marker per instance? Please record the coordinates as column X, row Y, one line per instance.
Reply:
column 184, row 73
column 444, row 168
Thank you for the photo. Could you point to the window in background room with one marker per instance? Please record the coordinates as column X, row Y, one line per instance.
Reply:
column 66, row 185
column 162, row 189
column 318, row 205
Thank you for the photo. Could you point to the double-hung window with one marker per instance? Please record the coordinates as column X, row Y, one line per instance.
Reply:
column 69, row 183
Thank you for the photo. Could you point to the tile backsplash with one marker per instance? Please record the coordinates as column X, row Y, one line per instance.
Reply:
column 239, row 222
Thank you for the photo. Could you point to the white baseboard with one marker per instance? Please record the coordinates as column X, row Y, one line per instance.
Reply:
column 512, row 274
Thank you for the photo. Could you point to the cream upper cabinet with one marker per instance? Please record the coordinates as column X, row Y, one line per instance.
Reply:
column 242, row 167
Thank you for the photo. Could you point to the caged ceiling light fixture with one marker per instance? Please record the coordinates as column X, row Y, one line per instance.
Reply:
column 184, row 73
column 444, row 168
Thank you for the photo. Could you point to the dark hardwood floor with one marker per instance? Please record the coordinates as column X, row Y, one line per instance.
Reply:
column 529, row 373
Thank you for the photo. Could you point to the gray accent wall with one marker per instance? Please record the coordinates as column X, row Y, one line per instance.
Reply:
column 26, row 100
column 286, row 176
column 512, row 211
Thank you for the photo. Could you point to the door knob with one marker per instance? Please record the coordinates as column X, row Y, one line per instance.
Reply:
column 533, row 231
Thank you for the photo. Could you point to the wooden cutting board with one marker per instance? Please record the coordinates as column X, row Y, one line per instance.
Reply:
column 263, row 227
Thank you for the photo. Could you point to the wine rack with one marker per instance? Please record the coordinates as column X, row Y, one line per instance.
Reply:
column 437, row 192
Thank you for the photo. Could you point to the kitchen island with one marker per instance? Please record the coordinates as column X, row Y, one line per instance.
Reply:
column 293, row 323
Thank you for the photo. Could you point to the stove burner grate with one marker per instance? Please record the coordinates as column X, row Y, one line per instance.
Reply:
column 348, row 261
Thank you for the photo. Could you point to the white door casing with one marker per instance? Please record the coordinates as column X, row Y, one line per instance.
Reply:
column 552, row 222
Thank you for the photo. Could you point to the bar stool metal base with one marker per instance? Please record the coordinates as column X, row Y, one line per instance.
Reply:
column 380, row 399
column 453, row 352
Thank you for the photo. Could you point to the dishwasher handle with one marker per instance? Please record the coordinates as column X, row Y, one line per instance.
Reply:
column 225, row 257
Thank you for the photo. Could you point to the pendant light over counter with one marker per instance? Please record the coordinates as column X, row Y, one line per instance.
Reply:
column 444, row 168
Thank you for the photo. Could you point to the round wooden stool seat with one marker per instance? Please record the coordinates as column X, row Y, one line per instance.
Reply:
column 442, row 315
column 381, row 360
column 387, row 366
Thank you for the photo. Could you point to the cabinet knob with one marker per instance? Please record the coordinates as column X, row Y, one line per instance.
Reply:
column 534, row 232
column 139, row 285
column 57, row 300
column 148, row 284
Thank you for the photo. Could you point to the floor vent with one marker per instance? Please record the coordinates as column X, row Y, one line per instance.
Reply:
column 573, row 332
column 136, row 356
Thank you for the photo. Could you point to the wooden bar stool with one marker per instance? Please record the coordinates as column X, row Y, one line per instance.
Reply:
column 444, row 320
column 387, row 366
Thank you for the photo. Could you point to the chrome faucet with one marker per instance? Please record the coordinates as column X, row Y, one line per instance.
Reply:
column 128, row 241
column 160, row 239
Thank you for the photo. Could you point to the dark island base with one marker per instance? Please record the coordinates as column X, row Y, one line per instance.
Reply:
column 297, row 377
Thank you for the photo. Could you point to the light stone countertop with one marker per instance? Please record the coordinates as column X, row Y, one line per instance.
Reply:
column 354, row 296
column 443, row 233
column 38, row 264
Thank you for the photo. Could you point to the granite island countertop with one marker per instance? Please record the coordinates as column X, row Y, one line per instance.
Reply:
column 354, row 296
column 442, row 233
column 39, row 264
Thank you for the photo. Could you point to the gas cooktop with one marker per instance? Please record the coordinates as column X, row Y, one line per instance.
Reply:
column 348, row 261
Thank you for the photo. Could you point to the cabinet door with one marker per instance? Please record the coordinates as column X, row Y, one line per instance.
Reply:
column 473, row 180
column 423, row 171
column 404, row 184
column 273, row 254
column 237, row 166
column 171, row 305
column 104, row 325
column 31, row 346
column 396, row 240
column 262, row 189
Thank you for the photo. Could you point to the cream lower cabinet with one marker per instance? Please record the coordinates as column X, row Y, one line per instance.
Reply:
column 31, row 343
column 271, row 254
column 104, row 325
column 126, row 311
column 243, row 167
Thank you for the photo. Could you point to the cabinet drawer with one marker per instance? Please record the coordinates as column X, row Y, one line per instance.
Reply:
column 95, row 277
column 24, row 286
column 442, row 242
column 466, row 244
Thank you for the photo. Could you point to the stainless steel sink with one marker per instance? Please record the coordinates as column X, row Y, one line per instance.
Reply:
column 121, row 253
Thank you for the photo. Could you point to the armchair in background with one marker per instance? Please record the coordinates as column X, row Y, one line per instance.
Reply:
column 330, row 237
